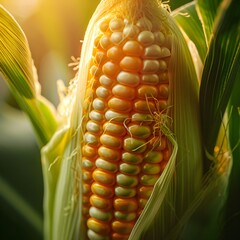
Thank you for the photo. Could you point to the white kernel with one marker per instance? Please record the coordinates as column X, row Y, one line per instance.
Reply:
column 98, row 104
column 159, row 38
column 116, row 25
column 162, row 65
column 150, row 66
column 90, row 139
column 153, row 51
column 165, row 52
column 106, row 81
column 146, row 38
column 105, row 42
column 150, row 79
column 102, row 92
column 129, row 79
column 96, row 116
column 93, row 127
column 117, row 38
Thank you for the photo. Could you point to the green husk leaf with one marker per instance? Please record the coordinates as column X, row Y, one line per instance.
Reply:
column 15, row 56
column 60, row 170
column 220, row 72
column 188, row 20
column 62, row 175
column 17, row 68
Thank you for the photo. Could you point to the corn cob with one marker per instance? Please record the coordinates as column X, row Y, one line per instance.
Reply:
column 126, row 106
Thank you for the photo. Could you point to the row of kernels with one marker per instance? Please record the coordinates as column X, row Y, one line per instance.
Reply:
column 136, row 64
column 99, row 231
column 130, row 30
column 128, row 81
column 130, row 48
column 142, row 106
column 154, row 51
column 153, row 91
column 154, row 79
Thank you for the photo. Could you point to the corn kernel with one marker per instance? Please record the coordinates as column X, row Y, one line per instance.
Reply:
column 128, row 79
column 102, row 177
column 124, row 192
column 102, row 191
column 100, row 215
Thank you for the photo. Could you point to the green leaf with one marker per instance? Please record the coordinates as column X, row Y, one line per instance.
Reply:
column 207, row 11
column 220, row 72
column 18, row 70
column 188, row 20
column 174, row 4
column 15, row 57
column 231, row 227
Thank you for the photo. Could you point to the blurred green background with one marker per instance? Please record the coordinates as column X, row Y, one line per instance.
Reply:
column 54, row 29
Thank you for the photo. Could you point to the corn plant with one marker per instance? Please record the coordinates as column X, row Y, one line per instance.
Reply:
column 144, row 143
